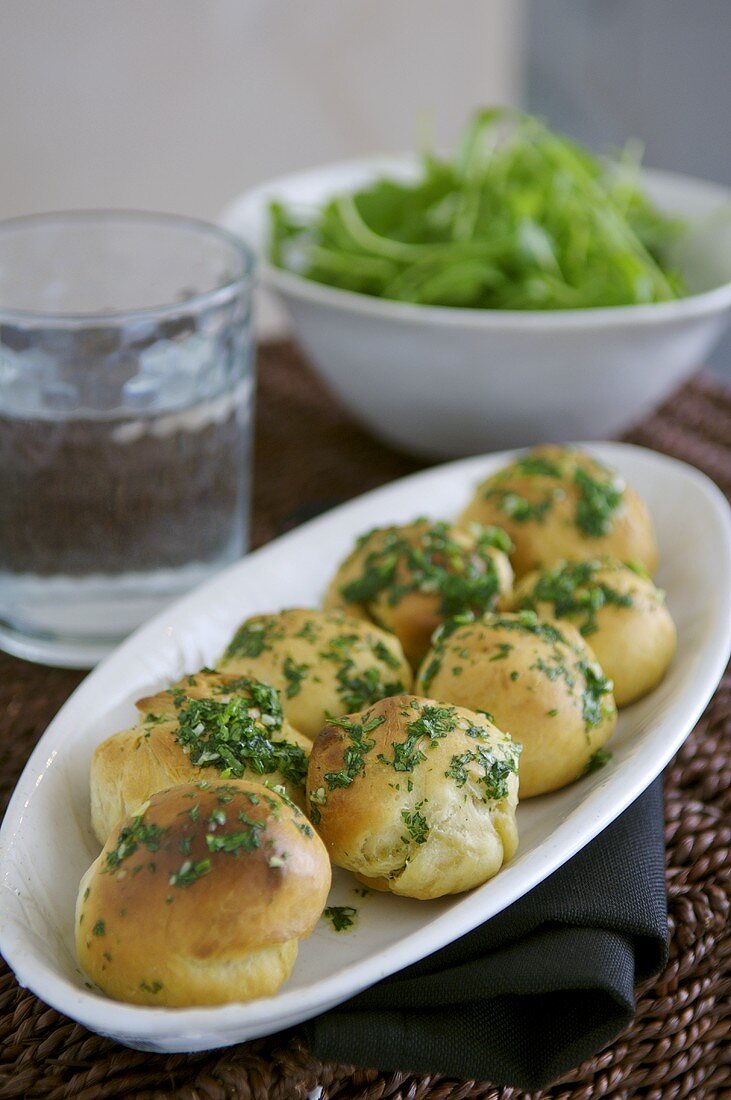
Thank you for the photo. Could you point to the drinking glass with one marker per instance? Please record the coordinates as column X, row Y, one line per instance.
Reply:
column 126, row 385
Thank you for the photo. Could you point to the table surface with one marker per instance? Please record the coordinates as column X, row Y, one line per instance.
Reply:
column 310, row 455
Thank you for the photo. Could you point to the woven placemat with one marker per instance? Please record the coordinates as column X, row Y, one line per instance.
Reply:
column 309, row 451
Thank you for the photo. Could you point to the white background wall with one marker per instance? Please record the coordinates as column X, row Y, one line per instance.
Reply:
column 179, row 104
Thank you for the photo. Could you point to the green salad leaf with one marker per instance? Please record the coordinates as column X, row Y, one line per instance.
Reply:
column 520, row 218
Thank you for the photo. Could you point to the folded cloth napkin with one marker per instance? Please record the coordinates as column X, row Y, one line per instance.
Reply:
column 535, row 990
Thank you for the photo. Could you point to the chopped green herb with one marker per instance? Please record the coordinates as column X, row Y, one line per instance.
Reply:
column 433, row 723
column 383, row 653
column 342, row 917
column 597, row 702
column 190, row 871
column 129, row 840
column 99, row 928
column 503, row 650
column 518, row 507
column 574, row 593
column 416, row 824
column 356, row 752
column 429, row 560
column 597, row 760
column 151, row 987
column 360, row 689
column 235, row 738
column 535, row 465
column 295, row 676
column 495, row 768
column 245, row 840
column 597, row 503
column 308, row 631
column 250, row 640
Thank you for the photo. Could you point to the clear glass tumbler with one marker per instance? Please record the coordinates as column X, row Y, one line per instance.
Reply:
column 126, row 387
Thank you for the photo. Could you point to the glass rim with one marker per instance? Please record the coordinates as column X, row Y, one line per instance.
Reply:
column 218, row 296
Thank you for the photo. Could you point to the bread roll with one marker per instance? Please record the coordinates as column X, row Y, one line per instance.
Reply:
column 201, row 897
column 415, row 797
column 538, row 681
column 322, row 662
column 236, row 729
column 556, row 503
column 409, row 579
column 617, row 609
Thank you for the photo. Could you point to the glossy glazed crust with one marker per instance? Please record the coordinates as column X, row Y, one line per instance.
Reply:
column 467, row 835
column 516, row 675
column 229, row 934
column 634, row 644
column 412, row 616
column 554, row 535
column 322, row 662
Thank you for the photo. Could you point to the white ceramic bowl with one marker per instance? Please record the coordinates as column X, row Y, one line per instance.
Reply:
column 444, row 382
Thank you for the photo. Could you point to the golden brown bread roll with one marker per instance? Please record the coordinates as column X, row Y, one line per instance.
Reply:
column 322, row 662
column 408, row 579
column 415, row 797
column 231, row 726
column 540, row 683
column 202, row 897
column 558, row 502
column 617, row 609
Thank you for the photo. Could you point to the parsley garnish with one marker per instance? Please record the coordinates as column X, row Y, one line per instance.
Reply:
column 150, row 987
column 495, row 768
column 190, row 871
column 358, row 689
column 341, row 916
column 383, row 653
column 99, row 928
column 416, row 824
column 575, row 594
column 520, row 509
column 535, row 465
column 354, row 755
column 597, row 760
column 250, row 640
column 245, row 840
column 295, row 675
column 597, row 502
column 234, row 737
column 594, row 707
column 130, row 838
column 396, row 564
column 433, row 723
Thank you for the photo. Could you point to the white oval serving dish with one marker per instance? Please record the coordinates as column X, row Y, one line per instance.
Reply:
column 46, row 841
column 444, row 382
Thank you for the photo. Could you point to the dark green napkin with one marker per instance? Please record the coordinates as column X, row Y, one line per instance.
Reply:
column 534, row 991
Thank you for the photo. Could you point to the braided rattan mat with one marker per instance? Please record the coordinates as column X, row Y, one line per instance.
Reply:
column 309, row 451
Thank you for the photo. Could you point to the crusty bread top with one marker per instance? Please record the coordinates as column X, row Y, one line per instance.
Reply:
column 207, row 871
column 559, row 502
